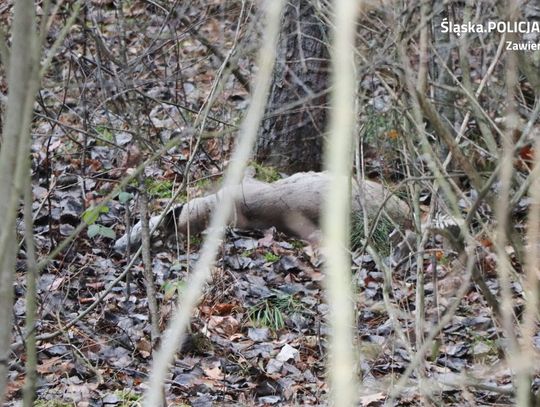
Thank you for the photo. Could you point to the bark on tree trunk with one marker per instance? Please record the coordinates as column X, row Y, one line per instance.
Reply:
column 531, row 12
column 291, row 140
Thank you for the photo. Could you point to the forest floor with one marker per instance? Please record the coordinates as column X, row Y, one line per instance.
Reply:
column 258, row 336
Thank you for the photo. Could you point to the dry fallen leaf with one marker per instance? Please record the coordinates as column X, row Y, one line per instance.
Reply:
column 371, row 398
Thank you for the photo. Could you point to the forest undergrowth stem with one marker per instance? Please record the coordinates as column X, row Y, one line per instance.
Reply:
column 338, row 156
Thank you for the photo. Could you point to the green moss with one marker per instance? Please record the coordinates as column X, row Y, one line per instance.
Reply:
column 195, row 240
column 265, row 174
column 104, row 134
column 128, row 398
column 271, row 257
column 159, row 188
column 297, row 244
column 247, row 253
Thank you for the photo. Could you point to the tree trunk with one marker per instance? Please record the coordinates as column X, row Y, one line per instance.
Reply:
column 291, row 137
column 531, row 12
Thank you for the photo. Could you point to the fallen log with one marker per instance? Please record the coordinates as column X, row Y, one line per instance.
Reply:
column 291, row 205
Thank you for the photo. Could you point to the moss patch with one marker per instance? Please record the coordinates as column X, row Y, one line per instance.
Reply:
column 265, row 174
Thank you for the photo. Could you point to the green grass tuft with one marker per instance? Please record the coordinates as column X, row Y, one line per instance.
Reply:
column 271, row 312
column 379, row 238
